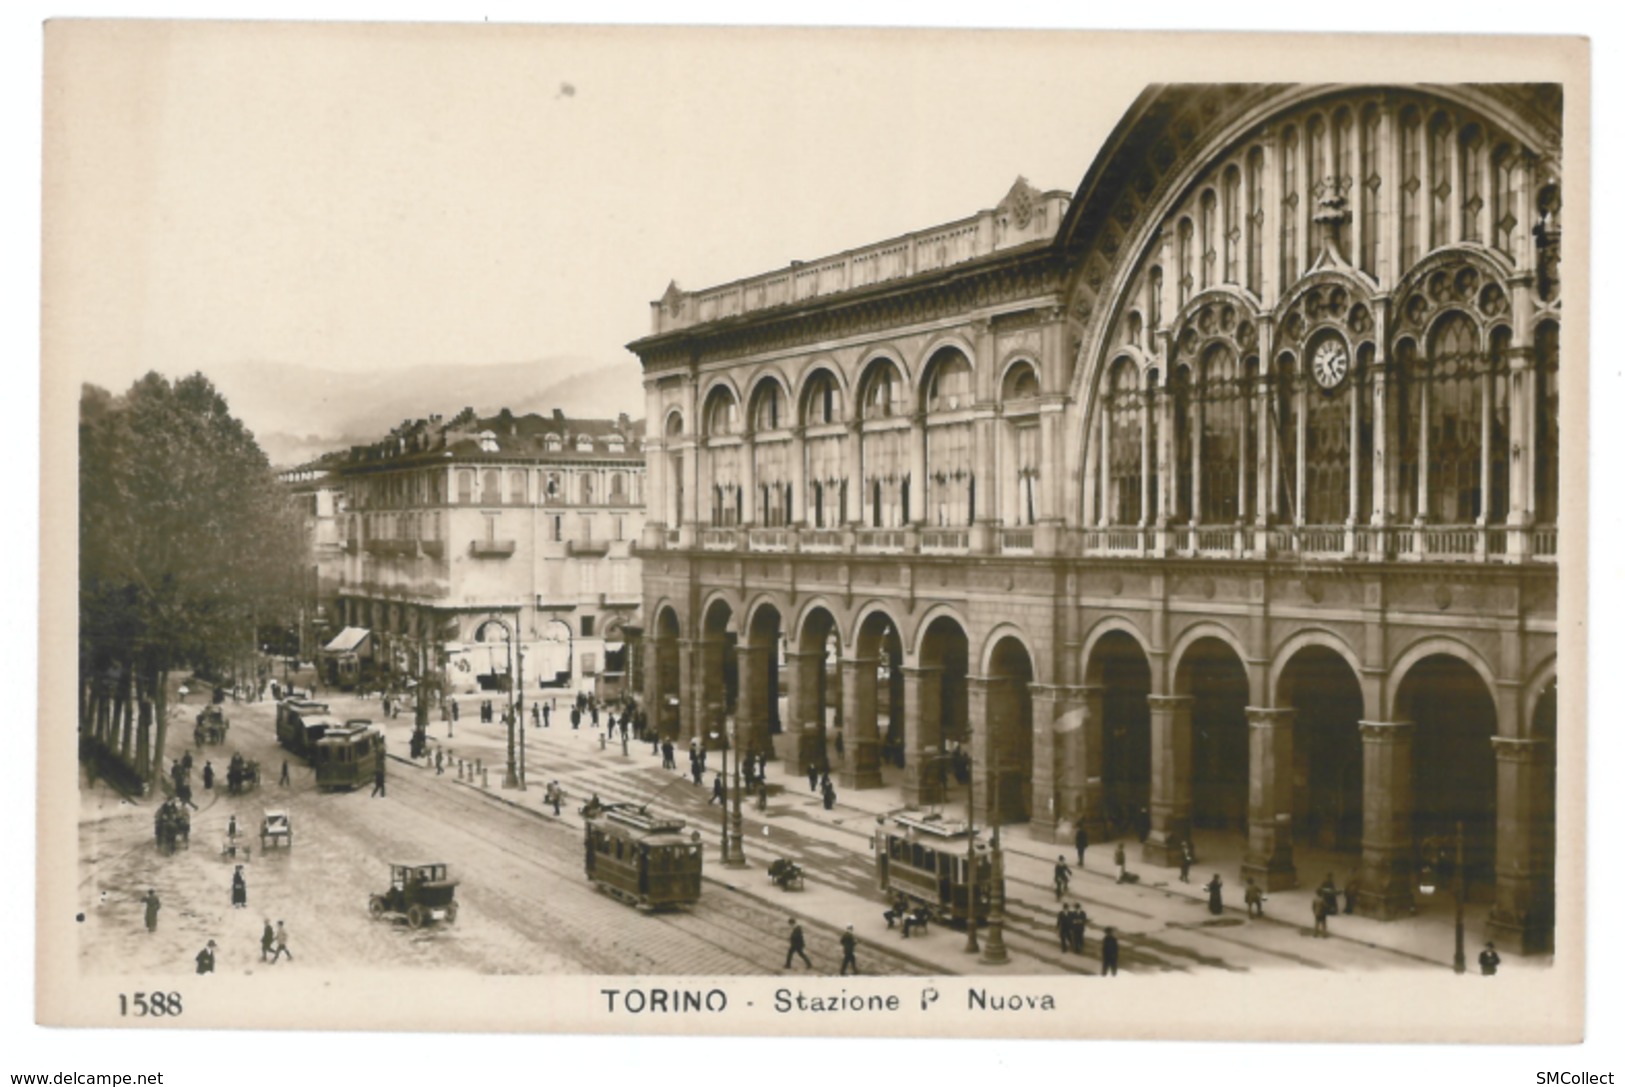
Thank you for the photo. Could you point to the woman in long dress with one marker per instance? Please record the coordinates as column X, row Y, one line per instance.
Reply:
column 239, row 888
column 1215, row 895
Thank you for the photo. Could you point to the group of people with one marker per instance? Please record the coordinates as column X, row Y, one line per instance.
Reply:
column 798, row 948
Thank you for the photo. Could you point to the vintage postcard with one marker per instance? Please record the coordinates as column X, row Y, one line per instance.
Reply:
column 739, row 531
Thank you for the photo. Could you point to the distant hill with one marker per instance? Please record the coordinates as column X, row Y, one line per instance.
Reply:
column 299, row 412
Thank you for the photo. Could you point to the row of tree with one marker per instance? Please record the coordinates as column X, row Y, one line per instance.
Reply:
column 186, row 543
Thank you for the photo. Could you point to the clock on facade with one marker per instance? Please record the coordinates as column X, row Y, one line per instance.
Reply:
column 1330, row 364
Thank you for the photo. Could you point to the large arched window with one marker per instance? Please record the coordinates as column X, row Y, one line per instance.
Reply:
column 1290, row 205
column 825, row 451
column 721, row 462
column 1223, row 422
column 1327, row 452
column 1184, row 409
column 1286, row 436
column 1125, row 403
column 950, row 471
column 1410, row 186
column 1455, row 379
column 1187, row 262
column 1439, row 173
column 1370, row 182
column 1545, row 404
column 884, row 447
column 769, row 407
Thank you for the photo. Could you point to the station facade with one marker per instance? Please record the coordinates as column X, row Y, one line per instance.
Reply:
column 1221, row 493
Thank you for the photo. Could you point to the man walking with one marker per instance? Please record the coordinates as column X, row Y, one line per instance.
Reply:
column 1120, row 858
column 547, row 715
column 1063, row 925
column 716, row 791
column 208, row 774
column 152, row 904
column 849, row 952
column 1488, row 960
column 1063, row 877
column 267, row 941
column 1080, row 926
column 281, row 944
column 798, row 946
column 205, row 959
column 1254, row 898
column 378, row 779
column 284, row 780
column 1185, row 859
column 439, row 761
column 1081, row 840
column 1318, row 907
column 1108, row 954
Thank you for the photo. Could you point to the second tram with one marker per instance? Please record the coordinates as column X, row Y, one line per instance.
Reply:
column 347, row 755
column 641, row 858
column 924, row 858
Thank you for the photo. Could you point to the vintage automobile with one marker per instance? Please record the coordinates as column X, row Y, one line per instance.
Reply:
column 276, row 829
column 211, row 727
column 421, row 893
column 172, row 827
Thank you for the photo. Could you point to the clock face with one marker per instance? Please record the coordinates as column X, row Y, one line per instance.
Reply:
column 1330, row 364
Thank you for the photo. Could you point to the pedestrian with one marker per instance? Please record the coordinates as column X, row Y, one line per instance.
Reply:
column 697, row 769
column 239, row 889
column 186, row 766
column 1108, row 954
column 1254, row 899
column 849, row 951
column 594, row 714
column 1080, row 925
column 152, row 904
column 1185, row 859
column 1063, row 926
column 281, row 944
column 378, row 779
column 205, row 959
column 1215, row 895
column 812, row 778
column 208, row 775
column 231, row 827
column 798, row 946
column 1063, row 877
column 1081, row 840
column 575, row 719
column 183, row 793
column 668, row 756
column 555, row 796
column 535, row 715
column 1120, row 858
column 1328, row 891
column 439, row 762
column 1318, row 907
column 547, row 715
column 829, row 795
column 840, row 745
column 284, row 779
column 456, row 712
column 267, row 940
column 716, row 791
column 1488, row 960
column 1351, row 889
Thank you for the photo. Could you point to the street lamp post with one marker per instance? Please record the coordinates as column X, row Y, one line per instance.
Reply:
column 1439, row 852
column 995, row 953
column 733, row 819
column 971, row 945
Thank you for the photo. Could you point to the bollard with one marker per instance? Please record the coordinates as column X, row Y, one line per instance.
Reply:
column 459, row 769
column 485, row 778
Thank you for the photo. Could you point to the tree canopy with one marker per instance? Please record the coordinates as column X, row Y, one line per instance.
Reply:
column 186, row 539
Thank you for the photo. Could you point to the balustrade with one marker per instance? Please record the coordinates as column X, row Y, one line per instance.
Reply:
column 940, row 540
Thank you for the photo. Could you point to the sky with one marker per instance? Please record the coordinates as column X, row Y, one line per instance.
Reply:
column 373, row 198
column 256, row 204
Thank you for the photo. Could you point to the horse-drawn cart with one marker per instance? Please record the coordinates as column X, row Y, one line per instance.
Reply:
column 172, row 827
column 211, row 727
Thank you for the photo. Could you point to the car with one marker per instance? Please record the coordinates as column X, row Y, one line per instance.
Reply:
column 276, row 829
column 421, row 893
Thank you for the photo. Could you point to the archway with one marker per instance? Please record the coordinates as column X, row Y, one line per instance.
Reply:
column 940, row 747
column 1119, row 667
column 815, row 706
column 1010, row 732
column 1453, row 761
column 872, row 726
column 1213, row 677
column 1328, row 761
column 666, row 700
column 555, row 657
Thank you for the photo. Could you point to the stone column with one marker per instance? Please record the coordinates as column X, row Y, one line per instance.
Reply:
column 861, row 769
column 977, row 692
column 924, row 767
column 1269, row 799
column 915, row 514
column 804, row 728
column 1388, row 844
column 654, row 699
column 1085, row 788
column 1060, row 716
column 796, row 511
column 1525, row 846
column 690, row 700
column 754, row 721
column 1171, row 791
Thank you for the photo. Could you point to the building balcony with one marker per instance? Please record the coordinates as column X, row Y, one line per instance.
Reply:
column 719, row 539
column 1017, row 541
column 595, row 548
column 627, row 599
column 492, row 549
column 944, row 541
column 881, row 541
column 772, row 539
column 822, row 539
column 393, row 548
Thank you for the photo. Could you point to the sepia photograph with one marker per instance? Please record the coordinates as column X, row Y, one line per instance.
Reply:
column 722, row 531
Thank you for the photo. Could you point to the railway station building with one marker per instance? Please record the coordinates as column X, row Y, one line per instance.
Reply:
column 1222, row 489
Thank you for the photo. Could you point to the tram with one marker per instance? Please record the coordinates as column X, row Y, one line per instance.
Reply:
column 923, row 858
column 300, row 723
column 642, row 859
column 347, row 755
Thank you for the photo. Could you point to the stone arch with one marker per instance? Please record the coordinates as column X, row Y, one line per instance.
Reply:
column 708, row 608
column 1541, row 677
column 759, row 677
column 1014, row 632
column 1010, row 670
column 754, row 606
column 799, row 390
column 1208, row 628
column 936, row 611
column 1319, row 681
column 1208, row 673
column 803, row 614
column 871, row 363
column 1438, row 645
column 753, row 391
column 666, row 428
column 1320, row 636
column 1016, row 359
column 1107, row 625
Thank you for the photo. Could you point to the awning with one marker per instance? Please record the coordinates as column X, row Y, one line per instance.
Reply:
column 350, row 640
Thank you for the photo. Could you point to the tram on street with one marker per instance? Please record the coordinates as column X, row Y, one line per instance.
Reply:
column 924, row 858
column 641, row 858
column 347, row 755
column 300, row 723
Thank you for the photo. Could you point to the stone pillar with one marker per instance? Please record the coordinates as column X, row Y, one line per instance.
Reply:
column 1171, row 791
column 1084, row 790
column 1269, row 799
column 980, row 746
column 861, row 769
column 923, row 761
column 691, row 700
column 915, row 514
column 754, row 720
column 1388, row 844
column 1060, row 716
column 804, row 729
column 988, row 701
column 796, row 508
column 654, row 699
column 1525, row 846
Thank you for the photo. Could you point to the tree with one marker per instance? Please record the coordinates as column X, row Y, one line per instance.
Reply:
column 185, row 540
